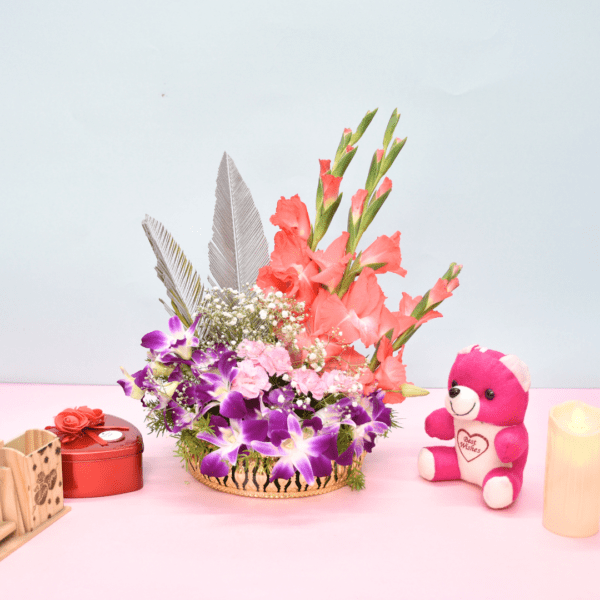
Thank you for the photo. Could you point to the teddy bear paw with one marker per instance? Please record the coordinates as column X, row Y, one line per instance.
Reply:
column 426, row 464
column 498, row 492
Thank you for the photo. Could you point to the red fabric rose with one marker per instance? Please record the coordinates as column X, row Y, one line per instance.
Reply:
column 71, row 421
column 94, row 415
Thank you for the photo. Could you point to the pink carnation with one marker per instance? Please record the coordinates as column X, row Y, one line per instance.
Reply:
column 250, row 380
column 336, row 381
column 250, row 349
column 309, row 381
column 275, row 360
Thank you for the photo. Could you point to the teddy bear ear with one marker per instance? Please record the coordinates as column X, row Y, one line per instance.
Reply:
column 468, row 349
column 518, row 368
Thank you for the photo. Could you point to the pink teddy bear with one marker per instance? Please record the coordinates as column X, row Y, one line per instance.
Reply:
column 487, row 398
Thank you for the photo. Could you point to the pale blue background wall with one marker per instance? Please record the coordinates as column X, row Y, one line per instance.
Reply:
column 110, row 110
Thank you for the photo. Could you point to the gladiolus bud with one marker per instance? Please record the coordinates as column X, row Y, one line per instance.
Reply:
column 349, row 148
column 380, row 154
column 408, row 390
column 384, row 187
column 452, row 285
column 358, row 205
column 325, row 166
column 440, row 291
column 347, row 131
column 331, row 188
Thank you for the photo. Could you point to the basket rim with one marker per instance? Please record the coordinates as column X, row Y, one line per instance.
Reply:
column 331, row 483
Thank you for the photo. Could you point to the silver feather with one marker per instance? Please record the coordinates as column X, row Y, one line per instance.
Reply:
column 238, row 248
column 184, row 287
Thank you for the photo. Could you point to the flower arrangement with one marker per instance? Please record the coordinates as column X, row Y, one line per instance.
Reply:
column 266, row 374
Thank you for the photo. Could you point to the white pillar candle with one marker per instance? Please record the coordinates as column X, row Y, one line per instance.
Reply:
column 572, row 483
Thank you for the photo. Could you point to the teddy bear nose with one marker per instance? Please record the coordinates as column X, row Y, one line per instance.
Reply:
column 454, row 392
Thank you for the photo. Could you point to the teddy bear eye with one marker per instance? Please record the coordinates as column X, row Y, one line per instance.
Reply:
column 453, row 384
column 489, row 394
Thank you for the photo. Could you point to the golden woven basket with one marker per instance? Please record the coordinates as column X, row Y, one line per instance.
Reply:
column 254, row 482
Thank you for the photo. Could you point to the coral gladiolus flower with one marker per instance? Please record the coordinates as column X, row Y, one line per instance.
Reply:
column 391, row 373
column 384, row 187
column 332, row 262
column 403, row 323
column 330, row 317
column 331, row 189
column 307, row 339
column 290, row 269
column 291, row 216
column 360, row 314
column 364, row 302
column 440, row 291
column 358, row 205
column 348, row 360
column 384, row 250
column 407, row 305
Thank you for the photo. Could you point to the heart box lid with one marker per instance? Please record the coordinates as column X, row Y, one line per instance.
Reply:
column 85, row 448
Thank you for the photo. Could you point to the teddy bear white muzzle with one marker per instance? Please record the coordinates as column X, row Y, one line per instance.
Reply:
column 462, row 402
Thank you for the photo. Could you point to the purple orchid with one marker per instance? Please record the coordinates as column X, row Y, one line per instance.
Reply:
column 139, row 384
column 229, row 438
column 298, row 448
column 283, row 399
column 201, row 361
column 129, row 385
column 195, row 394
column 182, row 418
column 231, row 403
column 367, row 423
column 180, row 343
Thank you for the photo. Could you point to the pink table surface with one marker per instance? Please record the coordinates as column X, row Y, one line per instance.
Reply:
column 402, row 537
